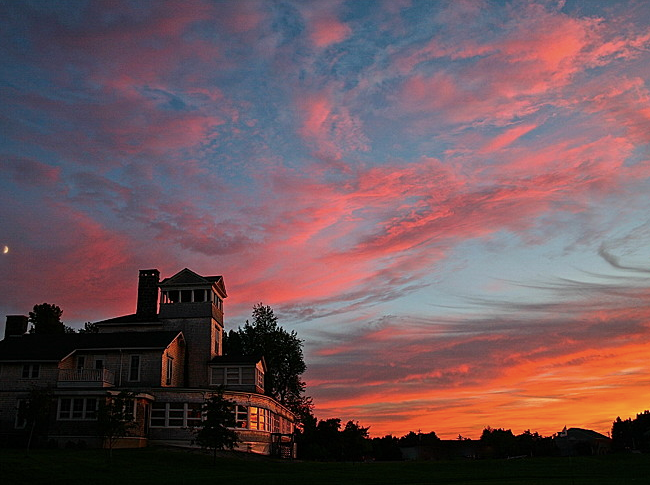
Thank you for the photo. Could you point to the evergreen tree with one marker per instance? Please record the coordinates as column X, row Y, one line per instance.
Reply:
column 115, row 419
column 215, row 432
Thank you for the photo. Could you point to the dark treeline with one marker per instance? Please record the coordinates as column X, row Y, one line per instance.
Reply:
column 632, row 434
column 329, row 440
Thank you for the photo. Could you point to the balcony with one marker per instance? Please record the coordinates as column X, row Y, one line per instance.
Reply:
column 85, row 378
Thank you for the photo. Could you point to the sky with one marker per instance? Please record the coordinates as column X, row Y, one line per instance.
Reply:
column 446, row 200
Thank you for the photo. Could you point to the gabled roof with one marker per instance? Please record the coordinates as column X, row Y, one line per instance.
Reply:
column 53, row 348
column 187, row 277
column 133, row 318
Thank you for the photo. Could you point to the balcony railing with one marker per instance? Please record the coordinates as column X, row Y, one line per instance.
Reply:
column 86, row 378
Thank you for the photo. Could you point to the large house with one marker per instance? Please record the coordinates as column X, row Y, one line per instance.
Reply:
column 169, row 353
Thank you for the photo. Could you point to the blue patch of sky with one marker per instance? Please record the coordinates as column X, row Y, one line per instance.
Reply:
column 288, row 22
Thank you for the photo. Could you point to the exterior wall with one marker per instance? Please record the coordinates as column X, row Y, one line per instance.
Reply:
column 11, row 377
column 255, row 441
column 177, row 352
column 198, row 333
column 84, row 432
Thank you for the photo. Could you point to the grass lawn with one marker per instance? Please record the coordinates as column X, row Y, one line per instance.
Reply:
column 162, row 467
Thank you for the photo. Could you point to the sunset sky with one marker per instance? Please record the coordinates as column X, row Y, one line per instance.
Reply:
column 448, row 201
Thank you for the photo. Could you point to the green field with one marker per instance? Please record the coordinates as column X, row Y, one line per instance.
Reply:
column 162, row 467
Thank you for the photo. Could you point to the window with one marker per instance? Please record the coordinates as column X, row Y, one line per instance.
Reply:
column 77, row 408
column 218, row 302
column 217, row 340
column 276, row 423
column 237, row 376
column 130, row 409
column 186, row 296
column 170, row 370
column 134, row 368
column 31, row 371
column 260, row 378
column 21, row 414
column 99, row 362
column 247, row 375
column 241, row 416
column 193, row 415
column 260, row 419
column 232, row 375
column 81, row 362
column 216, row 377
column 175, row 414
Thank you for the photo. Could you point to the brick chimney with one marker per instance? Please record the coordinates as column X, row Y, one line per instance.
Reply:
column 16, row 325
column 147, row 307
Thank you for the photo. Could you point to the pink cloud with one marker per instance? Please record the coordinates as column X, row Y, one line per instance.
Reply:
column 325, row 31
column 328, row 126
column 324, row 26
column 507, row 138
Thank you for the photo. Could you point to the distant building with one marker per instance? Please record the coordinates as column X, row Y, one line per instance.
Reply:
column 169, row 353
column 578, row 441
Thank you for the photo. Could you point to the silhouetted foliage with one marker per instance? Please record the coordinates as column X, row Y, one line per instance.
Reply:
column 419, row 439
column 46, row 320
column 218, row 418
column 534, row 444
column 355, row 442
column 632, row 434
column 498, row 443
column 282, row 351
column 386, row 448
column 324, row 440
column 115, row 418
column 89, row 327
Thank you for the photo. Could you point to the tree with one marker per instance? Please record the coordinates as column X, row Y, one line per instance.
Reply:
column 35, row 411
column 89, row 327
column 215, row 432
column 46, row 319
column 282, row 351
column 115, row 419
column 356, row 444
column 386, row 448
column 498, row 443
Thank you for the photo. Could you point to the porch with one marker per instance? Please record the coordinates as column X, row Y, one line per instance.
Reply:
column 85, row 378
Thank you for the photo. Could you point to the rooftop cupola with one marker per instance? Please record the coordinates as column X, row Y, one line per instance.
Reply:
column 187, row 294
